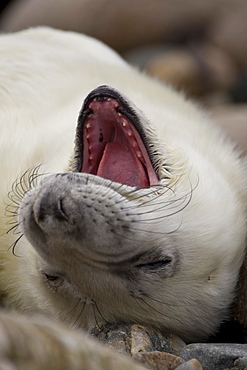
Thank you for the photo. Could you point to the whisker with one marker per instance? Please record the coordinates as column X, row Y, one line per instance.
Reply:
column 137, row 299
column 14, row 229
column 153, row 190
column 145, row 231
column 96, row 306
column 167, row 215
column 95, row 318
column 81, row 311
column 76, row 305
column 155, row 218
column 10, row 213
column 149, row 305
column 19, row 188
column 158, row 301
column 139, row 304
column 171, row 201
column 109, row 189
column 153, row 201
column 13, row 246
column 184, row 199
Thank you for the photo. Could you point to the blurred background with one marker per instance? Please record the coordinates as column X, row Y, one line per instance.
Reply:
column 199, row 47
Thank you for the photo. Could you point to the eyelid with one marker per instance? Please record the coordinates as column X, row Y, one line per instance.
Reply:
column 59, row 275
column 156, row 265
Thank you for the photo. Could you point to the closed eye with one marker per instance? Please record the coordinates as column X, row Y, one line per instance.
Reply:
column 156, row 265
column 51, row 277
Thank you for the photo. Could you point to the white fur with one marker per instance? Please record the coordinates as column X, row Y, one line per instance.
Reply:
column 44, row 77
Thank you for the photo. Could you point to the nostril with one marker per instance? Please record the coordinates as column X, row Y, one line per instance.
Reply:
column 50, row 206
column 59, row 211
column 40, row 211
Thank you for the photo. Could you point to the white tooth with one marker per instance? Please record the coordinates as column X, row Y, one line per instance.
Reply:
column 124, row 124
column 88, row 125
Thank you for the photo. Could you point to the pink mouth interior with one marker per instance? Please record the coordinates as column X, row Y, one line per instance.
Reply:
column 112, row 147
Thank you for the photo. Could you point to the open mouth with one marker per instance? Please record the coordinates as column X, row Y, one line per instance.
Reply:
column 111, row 142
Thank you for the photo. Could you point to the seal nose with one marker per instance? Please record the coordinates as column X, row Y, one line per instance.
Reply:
column 50, row 206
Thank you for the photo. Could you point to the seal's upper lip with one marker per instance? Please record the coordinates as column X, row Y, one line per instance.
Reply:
column 111, row 142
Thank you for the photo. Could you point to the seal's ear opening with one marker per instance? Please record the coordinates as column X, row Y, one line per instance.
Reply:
column 110, row 141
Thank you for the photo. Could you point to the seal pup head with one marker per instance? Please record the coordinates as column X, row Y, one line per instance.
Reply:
column 113, row 237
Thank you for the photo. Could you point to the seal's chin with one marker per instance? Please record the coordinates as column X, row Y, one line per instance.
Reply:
column 111, row 141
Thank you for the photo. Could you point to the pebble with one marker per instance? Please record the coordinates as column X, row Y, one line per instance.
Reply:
column 132, row 339
column 162, row 351
column 214, row 356
column 232, row 118
column 229, row 32
column 190, row 365
column 157, row 360
column 197, row 70
column 241, row 363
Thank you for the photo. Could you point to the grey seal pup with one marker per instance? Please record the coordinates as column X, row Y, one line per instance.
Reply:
column 141, row 218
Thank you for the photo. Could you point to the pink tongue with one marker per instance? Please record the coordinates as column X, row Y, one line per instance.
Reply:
column 119, row 164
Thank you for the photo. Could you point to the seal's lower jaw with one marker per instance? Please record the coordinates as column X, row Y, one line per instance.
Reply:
column 111, row 142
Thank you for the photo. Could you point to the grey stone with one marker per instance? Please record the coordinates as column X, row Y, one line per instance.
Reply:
column 115, row 336
column 131, row 339
column 190, row 365
column 241, row 363
column 215, row 356
column 156, row 360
